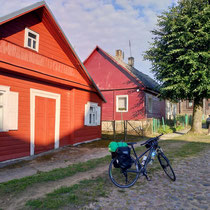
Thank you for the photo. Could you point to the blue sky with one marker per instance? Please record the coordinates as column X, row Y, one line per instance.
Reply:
column 110, row 24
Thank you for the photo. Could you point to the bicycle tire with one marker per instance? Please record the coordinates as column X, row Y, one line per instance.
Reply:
column 164, row 162
column 118, row 175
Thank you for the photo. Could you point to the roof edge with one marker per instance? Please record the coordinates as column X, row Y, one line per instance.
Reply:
column 20, row 12
column 75, row 54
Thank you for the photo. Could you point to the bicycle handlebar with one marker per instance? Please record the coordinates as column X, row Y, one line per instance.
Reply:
column 152, row 139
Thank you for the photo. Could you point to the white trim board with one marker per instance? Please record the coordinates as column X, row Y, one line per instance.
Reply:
column 45, row 94
column 88, row 141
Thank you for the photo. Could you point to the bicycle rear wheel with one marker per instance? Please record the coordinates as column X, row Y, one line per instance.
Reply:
column 164, row 162
column 123, row 178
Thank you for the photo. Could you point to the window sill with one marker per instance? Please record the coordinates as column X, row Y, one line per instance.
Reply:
column 122, row 111
column 92, row 125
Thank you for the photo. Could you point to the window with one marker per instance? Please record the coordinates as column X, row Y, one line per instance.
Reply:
column 8, row 109
column 122, row 103
column 92, row 114
column 31, row 39
column 190, row 104
column 150, row 104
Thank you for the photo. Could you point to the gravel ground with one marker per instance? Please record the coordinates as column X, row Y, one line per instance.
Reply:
column 191, row 190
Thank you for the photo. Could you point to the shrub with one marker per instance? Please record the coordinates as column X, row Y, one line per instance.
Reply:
column 167, row 129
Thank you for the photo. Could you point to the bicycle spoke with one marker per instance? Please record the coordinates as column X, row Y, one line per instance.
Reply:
column 123, row 178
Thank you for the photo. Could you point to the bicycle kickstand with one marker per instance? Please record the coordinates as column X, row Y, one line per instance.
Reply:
column 145, row 174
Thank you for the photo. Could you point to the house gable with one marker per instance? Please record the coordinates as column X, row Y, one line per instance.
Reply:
column 55, row 57
column 107, row 73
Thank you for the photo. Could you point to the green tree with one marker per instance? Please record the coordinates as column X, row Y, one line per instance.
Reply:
column 180, row 54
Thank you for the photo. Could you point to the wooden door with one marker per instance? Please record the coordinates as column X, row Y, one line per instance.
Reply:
column 44, row 124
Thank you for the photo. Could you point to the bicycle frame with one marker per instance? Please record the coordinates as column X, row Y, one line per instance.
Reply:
column 143, row 167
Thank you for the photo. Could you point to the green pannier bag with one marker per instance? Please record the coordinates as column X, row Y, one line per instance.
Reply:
column 114, row 145
column 113, row 148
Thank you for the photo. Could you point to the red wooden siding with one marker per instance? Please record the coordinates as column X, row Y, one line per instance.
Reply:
column 108, row 111
column 108, row 75
column 83, row 132
column 15, row 144
column 136, row 105
column 14, row 32
column 51, row 56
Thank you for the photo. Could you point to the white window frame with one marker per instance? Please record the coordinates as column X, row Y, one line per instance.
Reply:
column 4, row 90
column 117, row 98
column 27, row 31
column 10, row 109
column 89, row 115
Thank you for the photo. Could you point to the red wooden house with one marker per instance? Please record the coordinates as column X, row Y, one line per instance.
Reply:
column 130, row 94
column 47, row 98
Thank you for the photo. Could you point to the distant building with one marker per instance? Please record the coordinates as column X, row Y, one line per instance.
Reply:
column 185, row 107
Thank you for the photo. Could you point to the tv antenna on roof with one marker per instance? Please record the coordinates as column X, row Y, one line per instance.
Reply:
column 130, row 48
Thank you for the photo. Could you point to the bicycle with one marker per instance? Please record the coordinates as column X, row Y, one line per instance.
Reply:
column 125, row 178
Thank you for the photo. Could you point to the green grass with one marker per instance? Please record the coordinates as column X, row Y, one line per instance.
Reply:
column 107, row 138
column 18, row 185
column 72, row 197
column 87, row 191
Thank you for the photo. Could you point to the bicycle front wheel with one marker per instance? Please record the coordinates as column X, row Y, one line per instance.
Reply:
column 164, row 162
column 123, row 178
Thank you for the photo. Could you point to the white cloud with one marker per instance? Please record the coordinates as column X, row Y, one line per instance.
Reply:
column 109, row 24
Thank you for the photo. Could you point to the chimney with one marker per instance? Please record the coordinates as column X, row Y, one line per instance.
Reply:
column 119, row 55
column 131, row 61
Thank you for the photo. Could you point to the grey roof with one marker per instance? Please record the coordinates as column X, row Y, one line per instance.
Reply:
column 147, row 81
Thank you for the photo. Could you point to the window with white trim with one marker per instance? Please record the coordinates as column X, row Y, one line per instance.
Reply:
column 92, row 114
column 31, row 39
column 8, row 109
column 122, row 103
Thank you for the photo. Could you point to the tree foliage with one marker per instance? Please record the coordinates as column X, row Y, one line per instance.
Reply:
column 180, row 51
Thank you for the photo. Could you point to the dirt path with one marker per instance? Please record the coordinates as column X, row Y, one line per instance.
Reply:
column 57, row 159
column 174, row 135
column 39, row 190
